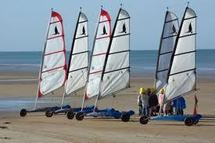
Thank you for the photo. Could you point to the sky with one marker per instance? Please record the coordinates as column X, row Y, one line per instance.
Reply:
column 24, row 22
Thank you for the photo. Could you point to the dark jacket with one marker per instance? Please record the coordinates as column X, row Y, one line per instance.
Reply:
column 153, row 100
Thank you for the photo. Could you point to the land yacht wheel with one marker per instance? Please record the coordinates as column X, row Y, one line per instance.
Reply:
column 23, row 113
column 79, row 116
column 188, row 121
column 49, row 113
column 125, row 117
column 70, row 115
column 144, row 120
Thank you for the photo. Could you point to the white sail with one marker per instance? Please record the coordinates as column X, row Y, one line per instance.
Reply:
column 182, row 75
column 53, row 68
column 101, row 42
column 167, row 44
column 78, row 62
column 117, row 69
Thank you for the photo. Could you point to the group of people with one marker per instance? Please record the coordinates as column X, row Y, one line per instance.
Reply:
column 150, row 103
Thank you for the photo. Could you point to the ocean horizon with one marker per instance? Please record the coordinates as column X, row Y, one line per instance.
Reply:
column 141, row 61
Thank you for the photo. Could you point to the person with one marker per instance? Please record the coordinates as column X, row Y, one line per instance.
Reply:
column 145, row 103
column 161, row 98
column 148, row 93
column 179, row 104
column 153, row 102
column 139, row 100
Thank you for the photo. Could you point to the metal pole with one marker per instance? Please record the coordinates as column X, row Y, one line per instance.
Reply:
column 83, row 102
column 62, row 101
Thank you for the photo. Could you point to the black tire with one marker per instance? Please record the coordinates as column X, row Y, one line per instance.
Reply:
column 70, row 115
column 144, row 120
column 79, row 116
column 49, row 113
column 125, row 117
column 23, row 113
column 188, row 121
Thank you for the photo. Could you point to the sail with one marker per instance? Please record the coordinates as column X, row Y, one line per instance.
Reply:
column 78, row 61
column 117, row 69
column 53, row 68
column 182, row 75
column 101, row 43
column 167, row 44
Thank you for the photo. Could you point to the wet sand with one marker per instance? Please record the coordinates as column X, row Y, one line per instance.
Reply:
column 58, row 129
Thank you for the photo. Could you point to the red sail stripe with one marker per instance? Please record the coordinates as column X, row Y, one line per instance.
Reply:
column 55, row 22
column 54, row 52
column 56, row 14
column 53, row 69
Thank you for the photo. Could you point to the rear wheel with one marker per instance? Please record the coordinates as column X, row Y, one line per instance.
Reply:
column 188, row 121
column 70, row 115
column 49, row 113
column 144, row 120
column 79, row 116
column 125, row 117
column 23, row 113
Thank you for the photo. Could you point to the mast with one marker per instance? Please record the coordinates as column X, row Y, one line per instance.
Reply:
column 53, row 68
column 116, row 72
column 41, row 65
column 182, row 75
column 166, row 48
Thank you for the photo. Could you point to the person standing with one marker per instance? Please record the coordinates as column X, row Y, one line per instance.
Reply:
column 161, row 98
column 145, row 102
column 140, row 100
column 179, row 104
column 153, row 102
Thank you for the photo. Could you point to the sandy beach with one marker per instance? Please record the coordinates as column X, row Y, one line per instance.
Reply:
column 58, row 129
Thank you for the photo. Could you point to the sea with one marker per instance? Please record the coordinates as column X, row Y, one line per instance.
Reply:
column 141, row 61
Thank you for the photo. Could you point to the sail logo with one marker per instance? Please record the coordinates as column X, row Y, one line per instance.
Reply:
column 190, row 28
column 104, row 31
column 124, row 30
column 56, row 32
column 173, row 30
column 83, row 31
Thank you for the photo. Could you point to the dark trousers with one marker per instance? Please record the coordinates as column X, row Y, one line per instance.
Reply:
column 140, row 110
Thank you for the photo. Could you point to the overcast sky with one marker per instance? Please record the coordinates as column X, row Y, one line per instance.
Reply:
column 23, row 22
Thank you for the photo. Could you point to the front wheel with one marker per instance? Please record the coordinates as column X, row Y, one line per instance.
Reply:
column 23, row 113
column 144, row 120
column 79, row 116
column 49, row 113
column 188, row 121
column 125, row 117
column 70, row 115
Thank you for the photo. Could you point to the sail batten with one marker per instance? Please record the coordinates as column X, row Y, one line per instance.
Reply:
column 116, row 72
column 182, row 74
column 53, row 68
column 78, row 62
